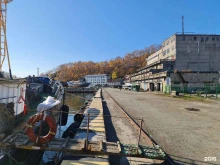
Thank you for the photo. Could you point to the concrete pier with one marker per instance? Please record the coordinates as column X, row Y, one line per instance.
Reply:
column 187, row 136
column 96, row 132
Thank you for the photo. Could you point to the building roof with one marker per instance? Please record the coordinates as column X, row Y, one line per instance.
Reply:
column 196, row 34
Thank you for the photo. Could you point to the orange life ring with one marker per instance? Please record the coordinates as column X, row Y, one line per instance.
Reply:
column 41, row 139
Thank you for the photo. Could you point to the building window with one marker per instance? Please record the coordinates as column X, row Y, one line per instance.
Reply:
column 184, row 38
column 164, row 53
column 172, row 47
column 202, row 39
column 207, row 38
column 168, row 50
column 194, row 38
column 217, row 38
column 213, row 38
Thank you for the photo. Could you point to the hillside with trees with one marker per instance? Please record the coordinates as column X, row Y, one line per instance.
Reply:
column 117, row 68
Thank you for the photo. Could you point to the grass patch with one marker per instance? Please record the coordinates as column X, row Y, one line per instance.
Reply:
column 187, row 97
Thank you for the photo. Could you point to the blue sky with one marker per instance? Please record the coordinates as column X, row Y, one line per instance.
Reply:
column 47, row 33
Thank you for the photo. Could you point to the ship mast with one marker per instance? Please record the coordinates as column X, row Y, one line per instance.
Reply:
column 3, row 40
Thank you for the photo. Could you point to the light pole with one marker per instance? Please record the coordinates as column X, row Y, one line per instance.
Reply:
column 37, row 71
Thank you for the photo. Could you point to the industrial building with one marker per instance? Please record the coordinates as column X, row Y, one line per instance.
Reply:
column 97, row 79
column 187, row 60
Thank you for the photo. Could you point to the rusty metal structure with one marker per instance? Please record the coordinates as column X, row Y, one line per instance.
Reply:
column 3, row 39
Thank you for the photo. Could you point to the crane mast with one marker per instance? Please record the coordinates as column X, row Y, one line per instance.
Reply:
column 3, row 39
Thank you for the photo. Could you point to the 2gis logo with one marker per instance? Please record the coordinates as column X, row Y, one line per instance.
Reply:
column 210, row 159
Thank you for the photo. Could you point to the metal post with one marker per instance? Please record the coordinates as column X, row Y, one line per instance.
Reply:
column 206, row 92
column 139, row 134
column 87, row 133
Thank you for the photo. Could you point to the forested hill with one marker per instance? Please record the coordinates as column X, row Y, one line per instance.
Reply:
column 118, row 67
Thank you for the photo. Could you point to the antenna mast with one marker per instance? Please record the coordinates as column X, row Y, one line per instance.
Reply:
column 3, row 40
column 182, row 24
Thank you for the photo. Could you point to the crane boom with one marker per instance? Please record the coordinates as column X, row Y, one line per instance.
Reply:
column 3, row 39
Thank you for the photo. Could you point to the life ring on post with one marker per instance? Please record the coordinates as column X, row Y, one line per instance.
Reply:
column 41, row 139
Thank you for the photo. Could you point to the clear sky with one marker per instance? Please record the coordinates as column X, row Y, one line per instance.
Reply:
column 47, row 33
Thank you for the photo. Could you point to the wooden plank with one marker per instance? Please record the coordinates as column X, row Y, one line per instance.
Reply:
column 96, row 129
column 26, row 141
column 97, row 124
column 66, row 142
column 101, row 145
column 119, row 146
column 83, row 144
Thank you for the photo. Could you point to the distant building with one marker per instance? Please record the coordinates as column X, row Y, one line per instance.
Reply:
column 97, row 79
column 115, row 82
column 184, row 59
column 127, row 79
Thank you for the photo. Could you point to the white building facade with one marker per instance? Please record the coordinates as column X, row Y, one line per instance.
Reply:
column 97, row 79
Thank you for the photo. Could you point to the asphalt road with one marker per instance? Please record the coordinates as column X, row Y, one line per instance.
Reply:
column 188, row 136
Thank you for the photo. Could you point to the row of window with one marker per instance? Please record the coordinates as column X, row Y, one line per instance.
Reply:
column 164, row 53
column 168, row 50
column 96, row 79
column 169, row 41
column 202, row 39
column 153, row 57
column 98, row 82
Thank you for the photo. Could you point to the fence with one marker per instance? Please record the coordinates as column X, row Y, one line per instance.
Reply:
column 201, row 90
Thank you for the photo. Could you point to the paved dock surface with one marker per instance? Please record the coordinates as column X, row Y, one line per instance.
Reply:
column 119, row 129
column 187, row 136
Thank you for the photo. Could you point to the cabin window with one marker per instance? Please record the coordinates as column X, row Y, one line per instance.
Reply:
column 213, row 38
column 194, row 38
